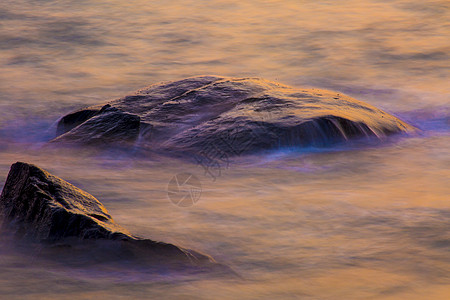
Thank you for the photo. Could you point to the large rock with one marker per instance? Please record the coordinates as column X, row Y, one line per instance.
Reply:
column 39, row 207
column 231, row 115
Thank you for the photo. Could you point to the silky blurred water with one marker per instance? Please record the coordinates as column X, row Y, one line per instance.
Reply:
column 351, row 223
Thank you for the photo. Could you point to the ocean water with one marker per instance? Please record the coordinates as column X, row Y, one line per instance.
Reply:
column 353, row 222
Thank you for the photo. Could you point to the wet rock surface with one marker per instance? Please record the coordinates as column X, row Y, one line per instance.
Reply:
column 38, row 207
column 235, row 115
column 108, row 126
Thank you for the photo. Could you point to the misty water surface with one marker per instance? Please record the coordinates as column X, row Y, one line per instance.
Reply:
column 347, row 223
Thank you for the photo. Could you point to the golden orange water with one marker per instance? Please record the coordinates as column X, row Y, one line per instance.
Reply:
column 348, row 223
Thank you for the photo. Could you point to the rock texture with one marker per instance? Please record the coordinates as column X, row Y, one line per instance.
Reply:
column 235, row 115
column 38, row 206
column 108, row 126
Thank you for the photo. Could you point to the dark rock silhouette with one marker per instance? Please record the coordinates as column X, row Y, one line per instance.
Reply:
column 39, row 207
column 106, row 126
column 235, row 115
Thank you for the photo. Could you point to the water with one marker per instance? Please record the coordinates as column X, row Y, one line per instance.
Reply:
column 350, row 223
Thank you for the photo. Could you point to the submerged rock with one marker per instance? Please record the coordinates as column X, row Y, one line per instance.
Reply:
column 40, row 207
column 235, row 115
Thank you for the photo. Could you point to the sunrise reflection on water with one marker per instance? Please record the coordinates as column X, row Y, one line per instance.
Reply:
column 350, row 224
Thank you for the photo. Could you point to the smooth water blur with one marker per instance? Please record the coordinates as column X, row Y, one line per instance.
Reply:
column 352, row 223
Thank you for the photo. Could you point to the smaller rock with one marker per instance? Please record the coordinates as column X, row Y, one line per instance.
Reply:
column 39, row 207
column 72, row 120
column 108, row 126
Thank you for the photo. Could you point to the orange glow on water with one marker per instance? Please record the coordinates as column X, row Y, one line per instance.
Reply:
column 363, row 223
